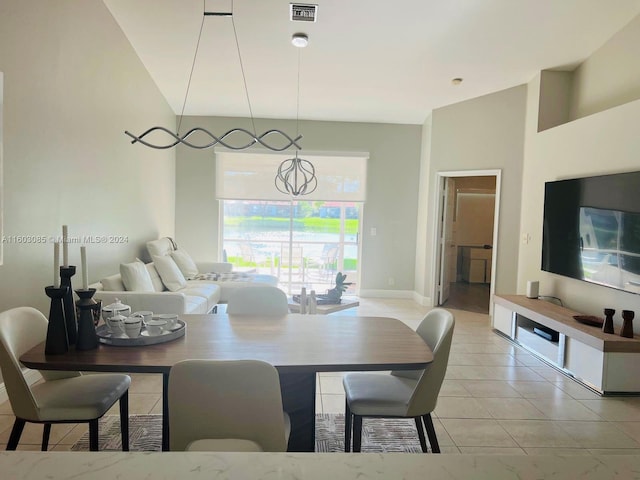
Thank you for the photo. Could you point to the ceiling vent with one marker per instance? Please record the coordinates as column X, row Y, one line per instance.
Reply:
column 303, row 12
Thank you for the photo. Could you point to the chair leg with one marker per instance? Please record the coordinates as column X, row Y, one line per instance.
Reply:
column 347, row 427
column 357, row 433
column 124, row 420
column 46, row 432
column 431, row 433
column 16, row 432
column 93, row 435
column 423, row 441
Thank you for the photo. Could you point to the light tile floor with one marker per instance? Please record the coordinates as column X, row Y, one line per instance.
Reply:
column 496, row 398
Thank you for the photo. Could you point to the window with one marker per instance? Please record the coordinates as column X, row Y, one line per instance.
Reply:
column 304, row 241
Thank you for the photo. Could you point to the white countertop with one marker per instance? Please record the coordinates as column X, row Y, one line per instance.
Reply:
column 309, row 466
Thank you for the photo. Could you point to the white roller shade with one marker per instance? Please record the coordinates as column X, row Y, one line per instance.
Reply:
column 251, row 175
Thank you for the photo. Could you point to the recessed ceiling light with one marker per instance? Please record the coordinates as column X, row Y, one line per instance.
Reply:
column 456, row 81
column 300, row 40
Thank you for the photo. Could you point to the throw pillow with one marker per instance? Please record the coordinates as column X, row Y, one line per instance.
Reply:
column 158, row 286
column 135, row 277
column 169, row 272
column 113, row 283
column 185, row 263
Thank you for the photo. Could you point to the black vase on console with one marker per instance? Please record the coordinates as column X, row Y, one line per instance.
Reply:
column 607, row 326
column 627, row 323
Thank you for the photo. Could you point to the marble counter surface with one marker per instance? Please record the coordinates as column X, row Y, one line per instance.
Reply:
column 308, row 466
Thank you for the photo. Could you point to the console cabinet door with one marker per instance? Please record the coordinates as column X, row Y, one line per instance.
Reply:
column 585, row 362
column 503, row 319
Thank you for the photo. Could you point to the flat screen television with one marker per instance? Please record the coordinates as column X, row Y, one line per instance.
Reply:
column 591, row 230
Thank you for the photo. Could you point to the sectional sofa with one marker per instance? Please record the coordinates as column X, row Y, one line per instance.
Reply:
column 174, row 283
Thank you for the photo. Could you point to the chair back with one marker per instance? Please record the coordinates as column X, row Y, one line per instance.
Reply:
column 21, row 329
column 237, row 401
column 258, row 300
column 436, row 329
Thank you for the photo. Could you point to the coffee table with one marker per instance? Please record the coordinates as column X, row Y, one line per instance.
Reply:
column 299, row 346
column 347, row 302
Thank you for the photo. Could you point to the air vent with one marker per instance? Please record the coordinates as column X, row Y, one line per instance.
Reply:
column 303, row 12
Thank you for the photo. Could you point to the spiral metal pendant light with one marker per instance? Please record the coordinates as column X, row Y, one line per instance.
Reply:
column 252, row 138
column 297, row 176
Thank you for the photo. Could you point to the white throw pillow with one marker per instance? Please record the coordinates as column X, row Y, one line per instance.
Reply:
column 169, row 272
column 185, row 263
column 158, row 286
column 135, row 277
column 113, row 283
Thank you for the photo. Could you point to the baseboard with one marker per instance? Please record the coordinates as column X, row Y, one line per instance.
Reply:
column 31, row 376
column 386, row 294
column 422, row 300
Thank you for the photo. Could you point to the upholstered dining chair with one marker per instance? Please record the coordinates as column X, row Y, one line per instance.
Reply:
column 259, row 300
column 63, row 397
column 237, row 408
column 402, row 394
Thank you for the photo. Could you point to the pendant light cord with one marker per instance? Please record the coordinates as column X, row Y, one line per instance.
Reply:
column 298, row 100
column 244, row 78
column 193, row 65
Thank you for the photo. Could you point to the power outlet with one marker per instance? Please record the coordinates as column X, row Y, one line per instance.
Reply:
column 392, row 281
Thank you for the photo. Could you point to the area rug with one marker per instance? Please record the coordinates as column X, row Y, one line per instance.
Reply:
column 378, row 435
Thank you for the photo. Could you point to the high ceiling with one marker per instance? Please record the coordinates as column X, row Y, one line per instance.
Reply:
column 367, row 60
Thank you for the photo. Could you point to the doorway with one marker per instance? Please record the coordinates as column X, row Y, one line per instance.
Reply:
column 467, row 239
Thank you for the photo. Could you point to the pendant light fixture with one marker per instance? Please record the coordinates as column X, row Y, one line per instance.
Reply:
column 297, row 176
column 252, row 138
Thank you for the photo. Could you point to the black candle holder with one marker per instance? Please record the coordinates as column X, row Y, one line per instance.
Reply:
column 69, row 311
column 89, row 311
column 607, row 326
column 57, row 341
column 627, row 323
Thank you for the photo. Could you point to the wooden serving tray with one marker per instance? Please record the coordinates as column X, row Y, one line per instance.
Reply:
column 107, row 338
column 589, row 320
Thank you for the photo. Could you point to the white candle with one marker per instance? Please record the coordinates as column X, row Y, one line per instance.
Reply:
column 65, row 246
column 56, row 265
column 85, row 269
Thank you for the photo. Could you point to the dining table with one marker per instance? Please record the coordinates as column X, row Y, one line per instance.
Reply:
column 298, row 346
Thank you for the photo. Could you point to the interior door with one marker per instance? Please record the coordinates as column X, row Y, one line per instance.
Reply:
column 447, row 245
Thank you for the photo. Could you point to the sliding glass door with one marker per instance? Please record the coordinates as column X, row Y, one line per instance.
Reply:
column 303, row 243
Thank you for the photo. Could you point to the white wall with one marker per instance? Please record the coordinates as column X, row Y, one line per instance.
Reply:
column 610, row 76
column 392, row 192
column 481, row 134
column 604, row 141
column 72, row 85
column 423, row 257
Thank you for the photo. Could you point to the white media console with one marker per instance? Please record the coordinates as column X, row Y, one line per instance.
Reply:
column 605, row 362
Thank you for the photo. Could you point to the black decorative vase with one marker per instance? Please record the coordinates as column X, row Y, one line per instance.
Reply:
column 56, row 342
column 627, row 323
column 607, row 326
column 69, row 310
column 89, row 310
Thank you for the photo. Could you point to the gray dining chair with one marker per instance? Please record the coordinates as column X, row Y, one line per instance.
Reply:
column 63, row 397
column 259, row 300
column 237, row 408
column 402, row 394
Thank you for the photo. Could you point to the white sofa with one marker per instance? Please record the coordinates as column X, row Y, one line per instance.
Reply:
column 196, row 297
column 218, row 273
column 213, row 283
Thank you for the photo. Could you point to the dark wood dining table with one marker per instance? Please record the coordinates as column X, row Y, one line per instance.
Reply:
column 299, row 346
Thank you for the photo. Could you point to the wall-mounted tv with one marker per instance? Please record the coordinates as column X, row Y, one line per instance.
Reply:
column 591, row 230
